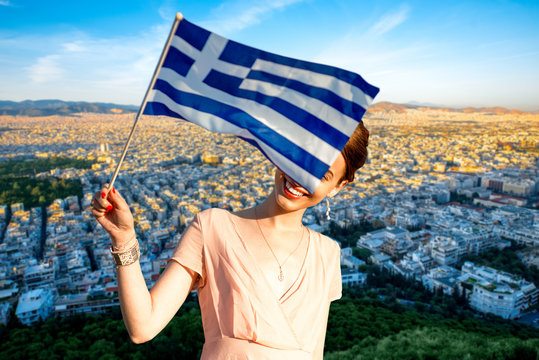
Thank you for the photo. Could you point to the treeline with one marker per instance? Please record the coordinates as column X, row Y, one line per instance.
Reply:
column 36, row 192
column 17, row 183
column 103, row 337
column 361, row 326
column 31, row 167
column 428, row 343
column 366, row 327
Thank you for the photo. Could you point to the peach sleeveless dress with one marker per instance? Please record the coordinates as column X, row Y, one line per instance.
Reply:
column 241, row 316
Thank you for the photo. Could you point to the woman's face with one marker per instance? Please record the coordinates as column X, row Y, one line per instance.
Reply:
column 291, row 196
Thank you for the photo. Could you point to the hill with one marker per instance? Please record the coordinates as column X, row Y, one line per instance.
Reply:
column 59, row 107
column 386, row 107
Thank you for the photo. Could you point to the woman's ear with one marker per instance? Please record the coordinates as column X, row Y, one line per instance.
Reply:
column 337, row 188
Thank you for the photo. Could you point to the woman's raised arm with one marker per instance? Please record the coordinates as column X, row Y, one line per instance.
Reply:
column 145, row 313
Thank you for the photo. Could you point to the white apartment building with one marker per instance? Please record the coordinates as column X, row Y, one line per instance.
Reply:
column 35, row 305
column 422, row 258
column 69, row 305
column 391, row 240
column 442, row 277
column 498, row 292
column 352, row 261
column 39, row 276
column 444, row 250
column 478, row 240
column 527, row 236
column 352, row 277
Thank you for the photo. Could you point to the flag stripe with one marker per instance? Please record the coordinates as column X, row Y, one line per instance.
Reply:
column 244, row 55
column 209, row 122
column 342, row 89
column 350, row 109
column 270, row 118
column 231, row 85
column 297, row 173
column 193, row 34
column 240, row 119
column 179, row 61
column 324, row 112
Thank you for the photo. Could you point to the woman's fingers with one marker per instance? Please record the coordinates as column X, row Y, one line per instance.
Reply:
column 101, row 201
column 116, row 200
column 109, row 205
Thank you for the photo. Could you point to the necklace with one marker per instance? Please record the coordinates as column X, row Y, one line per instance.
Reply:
column 281, row 275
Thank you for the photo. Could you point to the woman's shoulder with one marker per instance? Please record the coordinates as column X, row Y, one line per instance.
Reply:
column 325, row 243
column 211, row 218
column 212, row 213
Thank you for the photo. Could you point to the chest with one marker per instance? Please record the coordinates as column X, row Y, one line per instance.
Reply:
column 282, row 266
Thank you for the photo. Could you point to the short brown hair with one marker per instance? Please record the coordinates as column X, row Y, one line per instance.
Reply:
column 355, row 151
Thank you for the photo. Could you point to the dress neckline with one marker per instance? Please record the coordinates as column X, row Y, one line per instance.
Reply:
column 284, row 296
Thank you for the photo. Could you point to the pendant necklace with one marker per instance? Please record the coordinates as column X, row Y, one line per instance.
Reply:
column 281, row 275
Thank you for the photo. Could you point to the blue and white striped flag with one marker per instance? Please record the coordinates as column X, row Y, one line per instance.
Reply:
column 299, row 114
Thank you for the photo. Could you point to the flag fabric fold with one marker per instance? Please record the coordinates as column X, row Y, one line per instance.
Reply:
column 299, row 114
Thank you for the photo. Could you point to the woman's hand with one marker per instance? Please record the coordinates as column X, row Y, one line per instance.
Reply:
column 112, row 212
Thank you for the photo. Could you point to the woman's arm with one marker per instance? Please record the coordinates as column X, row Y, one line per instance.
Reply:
column 145, row 313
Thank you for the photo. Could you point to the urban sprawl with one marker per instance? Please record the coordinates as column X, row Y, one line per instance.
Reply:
column 421, row 161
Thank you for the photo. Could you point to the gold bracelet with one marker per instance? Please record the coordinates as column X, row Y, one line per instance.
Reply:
column 127, row 257
column 130, row 244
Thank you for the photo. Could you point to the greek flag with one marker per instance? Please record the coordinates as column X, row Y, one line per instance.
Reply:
column 299, row 114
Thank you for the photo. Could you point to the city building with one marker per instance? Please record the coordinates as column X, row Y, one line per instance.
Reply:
column 35, row 305
column 498, row 292
column 68, row 305
column 391, row 240
column 352, row 277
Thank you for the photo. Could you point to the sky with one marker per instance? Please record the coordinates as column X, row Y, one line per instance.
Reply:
column 446, row 53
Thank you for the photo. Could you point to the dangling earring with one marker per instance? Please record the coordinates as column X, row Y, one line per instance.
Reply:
column 328, row 209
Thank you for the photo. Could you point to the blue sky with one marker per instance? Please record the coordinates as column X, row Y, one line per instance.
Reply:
column 453, row 53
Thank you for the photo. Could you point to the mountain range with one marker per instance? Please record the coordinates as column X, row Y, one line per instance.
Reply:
column 386, row 107
column 60, row 107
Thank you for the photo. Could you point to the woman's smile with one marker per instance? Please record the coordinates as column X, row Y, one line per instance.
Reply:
column 292, row 190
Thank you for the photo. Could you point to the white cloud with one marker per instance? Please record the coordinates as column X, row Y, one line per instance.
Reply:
column 75, row 46
column 4, row 3
column 389, row 21
column 167, row 11
column 236, row 15
column 46, row 69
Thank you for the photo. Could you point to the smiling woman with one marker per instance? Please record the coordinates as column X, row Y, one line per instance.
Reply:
column 265, row 282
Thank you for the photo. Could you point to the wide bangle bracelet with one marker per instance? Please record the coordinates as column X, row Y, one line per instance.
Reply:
column 126, row 257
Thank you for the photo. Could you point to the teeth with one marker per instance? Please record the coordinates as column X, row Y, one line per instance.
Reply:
column 293, row 191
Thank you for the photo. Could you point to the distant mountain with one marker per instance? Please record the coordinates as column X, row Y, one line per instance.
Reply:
column 59, row 107
column 386, row 107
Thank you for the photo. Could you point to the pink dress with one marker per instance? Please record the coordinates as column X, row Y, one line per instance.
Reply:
column 241, row 316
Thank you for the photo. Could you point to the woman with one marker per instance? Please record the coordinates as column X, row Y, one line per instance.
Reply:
column 265, row 282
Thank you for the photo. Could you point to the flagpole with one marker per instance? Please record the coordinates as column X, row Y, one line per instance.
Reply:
column 177, row 20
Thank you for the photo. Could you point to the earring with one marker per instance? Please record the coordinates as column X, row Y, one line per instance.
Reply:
column 328, row 209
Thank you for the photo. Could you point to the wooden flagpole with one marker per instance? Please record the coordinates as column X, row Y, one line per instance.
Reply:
column 177, row 20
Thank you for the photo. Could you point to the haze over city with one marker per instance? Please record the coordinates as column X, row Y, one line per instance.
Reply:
column 459, row 53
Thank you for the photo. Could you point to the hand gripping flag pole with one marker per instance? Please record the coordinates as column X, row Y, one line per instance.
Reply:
column 177, row 20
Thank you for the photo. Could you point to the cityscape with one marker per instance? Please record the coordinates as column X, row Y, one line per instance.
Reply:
column 439, row 185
